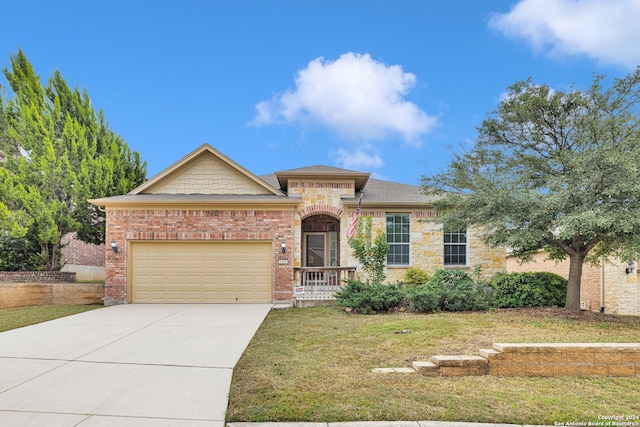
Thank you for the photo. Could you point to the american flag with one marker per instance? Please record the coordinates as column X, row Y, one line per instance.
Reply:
column 354, row 221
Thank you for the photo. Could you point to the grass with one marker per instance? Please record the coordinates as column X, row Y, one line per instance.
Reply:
column 316, row 364
column 12, row 318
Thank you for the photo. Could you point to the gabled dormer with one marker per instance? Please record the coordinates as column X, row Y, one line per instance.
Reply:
column 349, row 182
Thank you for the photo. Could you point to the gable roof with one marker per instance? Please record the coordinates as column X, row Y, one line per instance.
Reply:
column 208, row 177
column 189, row 176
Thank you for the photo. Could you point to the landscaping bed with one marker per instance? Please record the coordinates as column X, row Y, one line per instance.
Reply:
column 317, row 364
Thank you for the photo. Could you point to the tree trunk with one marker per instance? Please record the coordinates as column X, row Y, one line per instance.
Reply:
column 53, row 257
column 575, row 279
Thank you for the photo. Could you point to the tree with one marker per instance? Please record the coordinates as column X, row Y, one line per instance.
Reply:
column 552, row 170
column 369, row 252
column 58, row 152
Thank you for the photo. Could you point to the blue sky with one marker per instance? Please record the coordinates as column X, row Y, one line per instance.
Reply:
column 387, row 87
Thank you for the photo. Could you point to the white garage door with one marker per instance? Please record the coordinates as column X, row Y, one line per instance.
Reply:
column 200, row 272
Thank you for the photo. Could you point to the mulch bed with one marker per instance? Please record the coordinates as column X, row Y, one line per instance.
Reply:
column 581, row 315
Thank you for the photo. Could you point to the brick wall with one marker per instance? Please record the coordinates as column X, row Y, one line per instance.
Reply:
column 77, row 252
column 37, row 276
column 210, row 225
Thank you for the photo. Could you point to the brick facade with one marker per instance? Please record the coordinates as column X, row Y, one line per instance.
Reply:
column 208, row 197
column 209, row 225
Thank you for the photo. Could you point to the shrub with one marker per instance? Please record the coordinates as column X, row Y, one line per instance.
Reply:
column 424, row 298
column 369, row 251
column 540, row 289
column 368, row 298
column 415, row 277
column 448, row 290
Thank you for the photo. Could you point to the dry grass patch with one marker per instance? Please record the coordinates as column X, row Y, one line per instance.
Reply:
column 315, row 365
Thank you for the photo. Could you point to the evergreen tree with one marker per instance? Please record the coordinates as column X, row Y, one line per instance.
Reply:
column 58, row 152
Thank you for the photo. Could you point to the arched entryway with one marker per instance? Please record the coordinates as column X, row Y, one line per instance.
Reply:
column 320, row 241
column 320, row 275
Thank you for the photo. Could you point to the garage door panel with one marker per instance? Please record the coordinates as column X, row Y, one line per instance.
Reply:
column 206, row 272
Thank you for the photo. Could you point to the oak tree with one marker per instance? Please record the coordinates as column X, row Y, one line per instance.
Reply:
column 554, row 171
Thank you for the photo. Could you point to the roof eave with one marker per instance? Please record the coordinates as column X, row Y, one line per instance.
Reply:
column 195, row 204
column 360, row 178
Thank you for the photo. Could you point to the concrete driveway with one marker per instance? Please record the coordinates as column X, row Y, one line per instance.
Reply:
column 127, row 365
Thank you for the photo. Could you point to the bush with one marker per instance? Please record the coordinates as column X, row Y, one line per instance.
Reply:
column 516, row 290
column 424, row 298
column 448, row 290
column 368, row 298
column 415, row 277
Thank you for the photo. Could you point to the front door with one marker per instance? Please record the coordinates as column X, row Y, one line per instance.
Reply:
column 315, row 250
column 321, row 249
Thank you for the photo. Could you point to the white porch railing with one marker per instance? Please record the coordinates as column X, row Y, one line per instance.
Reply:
column 320, row 283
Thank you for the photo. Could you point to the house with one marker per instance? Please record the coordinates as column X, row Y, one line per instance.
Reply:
column 208, row 230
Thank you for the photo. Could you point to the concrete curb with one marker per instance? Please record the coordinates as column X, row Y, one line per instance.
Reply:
column 377, row 424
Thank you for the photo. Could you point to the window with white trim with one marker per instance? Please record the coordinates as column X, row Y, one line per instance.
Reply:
column 398, row 237
column 455, row 247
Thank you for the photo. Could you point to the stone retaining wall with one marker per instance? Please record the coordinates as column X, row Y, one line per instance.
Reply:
column 29, row 294
column 561, row 360
column 541, row 360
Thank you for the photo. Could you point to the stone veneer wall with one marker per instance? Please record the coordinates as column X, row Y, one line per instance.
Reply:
column 427, row 242
column 621, row 290
column 194, row 225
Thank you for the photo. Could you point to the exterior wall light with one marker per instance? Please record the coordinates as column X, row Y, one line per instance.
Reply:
column 283, row 245
column 114, row 246
column 629, row 268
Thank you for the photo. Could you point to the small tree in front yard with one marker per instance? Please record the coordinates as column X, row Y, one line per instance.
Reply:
column 370, row 252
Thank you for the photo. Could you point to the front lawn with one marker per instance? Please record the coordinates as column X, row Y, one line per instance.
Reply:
column 316, row 364
column 12, row 318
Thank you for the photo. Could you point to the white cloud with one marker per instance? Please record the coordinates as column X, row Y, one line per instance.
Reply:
column 602, row 29
column 360, row 159
column 354, row 96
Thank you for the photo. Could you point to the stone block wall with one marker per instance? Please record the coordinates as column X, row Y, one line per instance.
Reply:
column 541, row 360
column 560, row 360
column 30, row 294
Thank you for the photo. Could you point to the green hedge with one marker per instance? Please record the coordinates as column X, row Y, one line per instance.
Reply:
column 448, row 290
column 541, row 289
column 369, row 298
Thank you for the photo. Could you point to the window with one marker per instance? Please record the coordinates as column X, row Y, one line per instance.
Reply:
column 398, row 232
column 455, row 247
